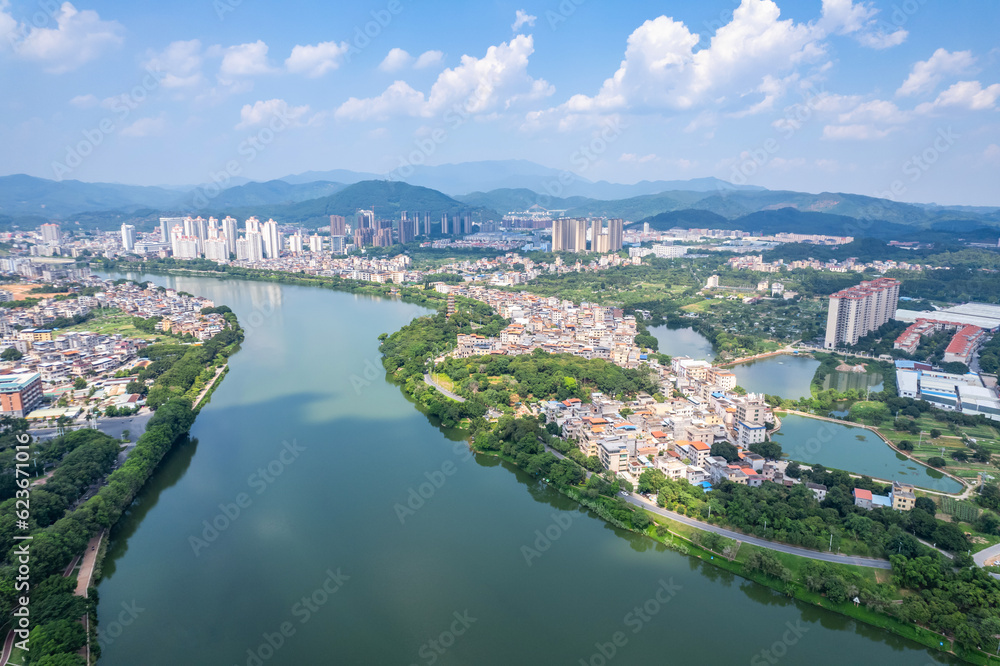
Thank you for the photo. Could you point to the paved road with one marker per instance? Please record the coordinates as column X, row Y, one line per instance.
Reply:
column 87, row 567
column 430, row 382
column 639, row 501
column 985, row 554
column 869, row 562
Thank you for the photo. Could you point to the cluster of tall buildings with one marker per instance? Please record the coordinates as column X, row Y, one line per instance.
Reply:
column 856, row 312
column 570, row 235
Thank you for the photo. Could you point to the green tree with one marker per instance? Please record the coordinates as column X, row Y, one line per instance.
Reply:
column 79, row 383
column 11, row 354
column 725, row 450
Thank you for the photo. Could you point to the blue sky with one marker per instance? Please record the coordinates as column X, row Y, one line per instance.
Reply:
column 897, row 98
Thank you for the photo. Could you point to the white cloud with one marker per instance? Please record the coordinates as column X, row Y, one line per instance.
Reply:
column 662, row 71
column 263, row 111
column 316, row 60
column 874, row 112
column 845, row 17
column 145, row 127
column 428, row 59
column 180, row 64
column 522, row 19
column 87, row 101
column 396, row 59
column 927, row 74
column 398, row 99
column 78, row 38
column 854, row 132
column 992, row 153
column 477, row 86
column 968, row 95
column 245, row 60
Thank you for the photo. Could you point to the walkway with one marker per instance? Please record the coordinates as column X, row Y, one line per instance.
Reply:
column 430, row 382
column 209, row 386
column 87, row 567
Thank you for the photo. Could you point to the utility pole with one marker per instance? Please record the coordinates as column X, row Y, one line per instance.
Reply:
column 831, row 542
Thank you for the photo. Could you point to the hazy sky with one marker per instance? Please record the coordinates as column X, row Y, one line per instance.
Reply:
column 897, row 98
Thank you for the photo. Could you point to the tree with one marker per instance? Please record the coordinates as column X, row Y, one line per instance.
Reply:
column 935, row 433
column 770, row 450
column 906, row 445
column 937, row 461
column 927, row 504
column 11, row 354
column 79, row 383
column 725, row 450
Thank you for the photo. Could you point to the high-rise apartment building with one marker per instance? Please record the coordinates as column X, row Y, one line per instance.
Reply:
column 606, row 239
column 315, row 243
column 858, row 311
column 128, row 237
column 51, row 233
column 569, row 235
column 295, row 244
column 255, row 246
column 338, row 225
column 166, row 225
column 337, row 244
column 427, row 224
column 272, row 239
column 229, row 233
column 216, row 249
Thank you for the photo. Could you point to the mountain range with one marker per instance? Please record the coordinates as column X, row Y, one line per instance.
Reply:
column 487, row 190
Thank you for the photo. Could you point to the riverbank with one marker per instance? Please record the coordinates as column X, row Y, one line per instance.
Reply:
column 184, row 378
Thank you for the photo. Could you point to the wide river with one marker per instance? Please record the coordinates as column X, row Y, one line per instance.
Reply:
column 319, row 518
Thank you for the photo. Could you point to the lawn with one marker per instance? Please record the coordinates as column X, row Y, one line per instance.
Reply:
column 109, row 322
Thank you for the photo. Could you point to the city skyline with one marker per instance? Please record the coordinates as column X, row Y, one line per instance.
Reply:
column 882, row 99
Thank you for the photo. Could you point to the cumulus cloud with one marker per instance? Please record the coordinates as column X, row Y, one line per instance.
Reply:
column 396, row 60
column 245, row 60
column 316, row 60
column 479, row 85
column 179, row 63
column 263, row 111
column 77, row 38
column 662, row 71
column 428, row 59
column 845, row 17
column 145, row 127
column 926, row 75
column 965, row 95
column 521, row 19
column 397, row 100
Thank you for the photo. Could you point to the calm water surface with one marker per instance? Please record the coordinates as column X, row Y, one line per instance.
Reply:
column 368, row 536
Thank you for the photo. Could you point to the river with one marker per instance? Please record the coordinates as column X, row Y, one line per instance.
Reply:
column 344, row 528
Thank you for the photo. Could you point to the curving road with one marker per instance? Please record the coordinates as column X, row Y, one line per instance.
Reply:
column 430, row 382
column 639, row 501
column 870, row 562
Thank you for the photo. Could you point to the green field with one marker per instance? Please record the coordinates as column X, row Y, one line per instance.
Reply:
column 109, row 322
